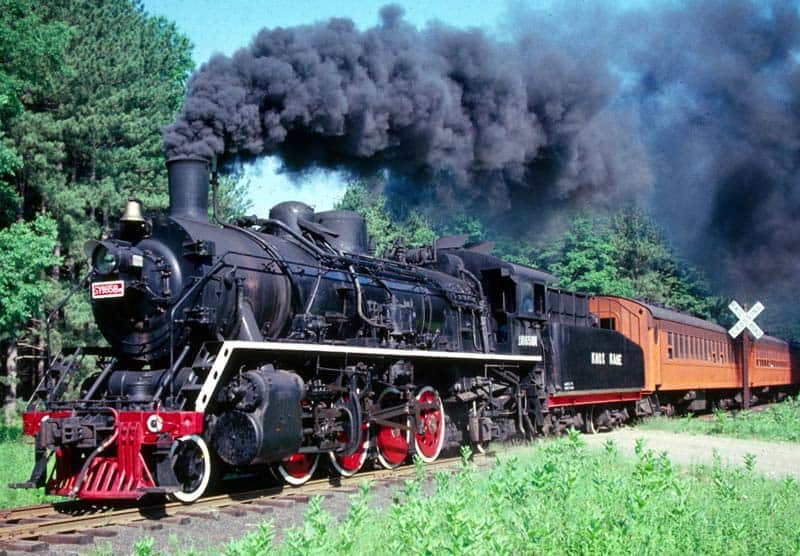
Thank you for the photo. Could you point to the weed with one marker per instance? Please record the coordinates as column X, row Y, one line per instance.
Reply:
column 17, row 466
column 777, row 422
column 144, row 546
column 466, row 455
column 749, row 461
column 258, row 542
column 563, row 498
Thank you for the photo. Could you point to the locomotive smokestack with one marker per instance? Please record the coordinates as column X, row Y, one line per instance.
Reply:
column 188, row 187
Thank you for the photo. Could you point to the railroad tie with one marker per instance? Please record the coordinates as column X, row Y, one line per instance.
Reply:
column 235, row 511
column 66, row 538
column 146, row 525
column 176, row 520
column 22, row 546
column 276, row 502
column 201, row 514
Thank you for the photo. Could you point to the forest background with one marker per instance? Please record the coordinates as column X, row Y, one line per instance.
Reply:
column 85, row 88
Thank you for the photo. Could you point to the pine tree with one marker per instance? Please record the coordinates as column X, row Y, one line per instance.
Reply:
column 85, row 88
column 31, row 52
column 95, row 140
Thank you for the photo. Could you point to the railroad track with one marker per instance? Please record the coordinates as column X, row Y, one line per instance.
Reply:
column 33, row 528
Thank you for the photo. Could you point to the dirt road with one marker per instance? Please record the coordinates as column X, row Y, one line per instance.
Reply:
column 775, row 459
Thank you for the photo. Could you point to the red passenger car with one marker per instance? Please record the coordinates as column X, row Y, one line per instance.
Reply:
column 691, row 363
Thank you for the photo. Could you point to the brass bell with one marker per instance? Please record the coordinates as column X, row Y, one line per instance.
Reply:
column 133, row 212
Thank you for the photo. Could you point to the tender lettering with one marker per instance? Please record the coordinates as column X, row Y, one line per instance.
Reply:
column 601, row 358
column 598, row 358
column 527, row 341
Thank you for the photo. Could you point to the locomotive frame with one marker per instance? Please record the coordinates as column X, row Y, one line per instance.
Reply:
column 282, row 342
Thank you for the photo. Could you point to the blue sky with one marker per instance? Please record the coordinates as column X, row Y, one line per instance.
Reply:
column 226, row 25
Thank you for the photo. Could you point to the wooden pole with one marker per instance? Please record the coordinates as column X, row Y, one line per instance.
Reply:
column 745, row 369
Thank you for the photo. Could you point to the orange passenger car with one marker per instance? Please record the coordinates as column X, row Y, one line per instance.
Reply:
column 686, row 357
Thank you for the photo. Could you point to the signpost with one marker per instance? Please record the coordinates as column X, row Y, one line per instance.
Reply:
column 747, row 320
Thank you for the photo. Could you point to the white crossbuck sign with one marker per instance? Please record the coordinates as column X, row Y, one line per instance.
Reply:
column 747, row 319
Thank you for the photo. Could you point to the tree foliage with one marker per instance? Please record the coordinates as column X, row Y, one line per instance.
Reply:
column 626, row 254
column 93, row 139
column 85, row 88
column 26, row 250
column 583, row 260
column 31, row 52
column 232, row 197
column 384, row 229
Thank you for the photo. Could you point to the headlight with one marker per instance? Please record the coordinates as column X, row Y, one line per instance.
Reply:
column 104, row 260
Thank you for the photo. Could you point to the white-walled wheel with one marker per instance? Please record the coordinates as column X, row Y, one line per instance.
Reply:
column 429, row 432
column 192, row 464
column 589, row 426
column 391, row 443
column 298, row 468
column 347, row 466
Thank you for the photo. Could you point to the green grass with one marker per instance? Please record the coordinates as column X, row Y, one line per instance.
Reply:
column 16, row 463
column 778, row 422
column 557, row 499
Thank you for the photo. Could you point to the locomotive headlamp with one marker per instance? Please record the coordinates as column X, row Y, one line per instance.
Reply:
column 105, row 258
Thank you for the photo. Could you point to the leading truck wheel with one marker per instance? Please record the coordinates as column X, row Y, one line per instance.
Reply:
column 191, row 462
column 298, row 468
column 429, row 430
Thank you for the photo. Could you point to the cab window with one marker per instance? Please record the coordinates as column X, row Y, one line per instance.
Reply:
column 531, row 297
column 526, row 297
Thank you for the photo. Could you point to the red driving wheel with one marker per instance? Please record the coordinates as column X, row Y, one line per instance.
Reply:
column 391, row 443
column 347, row 466
column 429, row 431
column 298, row 468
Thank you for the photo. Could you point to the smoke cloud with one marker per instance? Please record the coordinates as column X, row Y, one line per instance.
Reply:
column 692, row 107
column 718, row 82
column 486, row 120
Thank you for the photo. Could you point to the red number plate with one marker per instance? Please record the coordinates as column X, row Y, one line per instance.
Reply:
column 105, row 290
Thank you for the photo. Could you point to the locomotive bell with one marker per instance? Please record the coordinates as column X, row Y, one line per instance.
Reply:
column 133, row 212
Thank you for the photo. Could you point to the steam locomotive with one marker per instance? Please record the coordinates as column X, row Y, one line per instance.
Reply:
column 278, row 343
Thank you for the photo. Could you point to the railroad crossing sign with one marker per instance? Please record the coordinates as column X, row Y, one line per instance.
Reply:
column 747, row 319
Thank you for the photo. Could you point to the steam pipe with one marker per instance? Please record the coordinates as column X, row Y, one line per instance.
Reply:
column 481, row 310
column 299, row 237
column 359, row 301
column 215, row 193
column 100, row 379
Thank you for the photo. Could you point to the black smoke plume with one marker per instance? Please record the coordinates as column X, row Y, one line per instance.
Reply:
column 692, row 107
column 718, row 83
column 485, row 120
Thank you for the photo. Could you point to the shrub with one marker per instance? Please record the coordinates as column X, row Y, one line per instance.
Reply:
column 562, row 498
